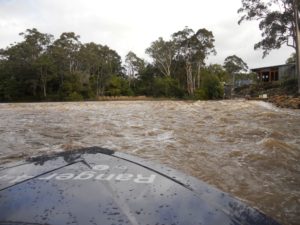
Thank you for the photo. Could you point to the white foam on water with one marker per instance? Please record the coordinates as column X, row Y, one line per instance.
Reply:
column 266, row 105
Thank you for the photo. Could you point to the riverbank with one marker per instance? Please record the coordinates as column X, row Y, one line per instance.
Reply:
column 281, row 101
column 132, row 98
column 285, row 101
column 283, row 94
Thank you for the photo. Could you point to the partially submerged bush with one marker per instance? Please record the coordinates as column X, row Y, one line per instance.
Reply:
column 167, row 87
column 74, row 96
column 211, row 88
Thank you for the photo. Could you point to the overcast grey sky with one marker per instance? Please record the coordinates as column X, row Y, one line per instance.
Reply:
column 131, row 25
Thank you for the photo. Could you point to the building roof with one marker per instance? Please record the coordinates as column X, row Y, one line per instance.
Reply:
column 275, row 66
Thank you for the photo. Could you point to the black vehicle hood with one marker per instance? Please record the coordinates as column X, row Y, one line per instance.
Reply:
column 100, row 186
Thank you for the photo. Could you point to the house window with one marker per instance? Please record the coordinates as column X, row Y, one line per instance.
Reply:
column 265, row 76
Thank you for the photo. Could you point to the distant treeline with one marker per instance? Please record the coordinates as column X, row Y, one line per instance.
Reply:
column 41, row 68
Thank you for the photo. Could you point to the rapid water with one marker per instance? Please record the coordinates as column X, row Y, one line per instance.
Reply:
column 250, row 149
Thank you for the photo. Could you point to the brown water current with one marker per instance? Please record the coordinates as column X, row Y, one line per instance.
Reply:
column 250, row 149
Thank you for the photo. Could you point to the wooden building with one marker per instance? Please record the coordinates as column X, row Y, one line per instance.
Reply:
column 275, row 73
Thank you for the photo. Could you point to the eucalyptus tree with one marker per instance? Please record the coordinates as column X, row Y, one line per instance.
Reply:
column 279, row 23
column 101, row 63
column 110, row 65
column 219, row 71
column 16, row 71
column 29, row 60
column 112, row 60
column 42, row 60
column 45, row 66
column 36, row 43
column 184, row 52
column 233, row 65
column 193, row 48
column 90, row 59
column 204, row 41
column 65, row 51
column 162, row 52
column 134, row 66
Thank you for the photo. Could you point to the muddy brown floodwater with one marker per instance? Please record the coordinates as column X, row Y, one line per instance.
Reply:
column 250, row 149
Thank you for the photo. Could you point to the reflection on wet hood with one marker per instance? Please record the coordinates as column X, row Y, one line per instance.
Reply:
column 99, row 186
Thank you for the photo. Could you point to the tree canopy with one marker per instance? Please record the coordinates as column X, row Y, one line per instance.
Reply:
column 233, row 65
column 276, row 22
column 162, row 53
column 192, row 49
column 41, row 67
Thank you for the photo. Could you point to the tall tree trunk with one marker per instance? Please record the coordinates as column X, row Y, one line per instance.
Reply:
column 194, row 84
column 45, row 84
column 297, row 32
column 198, row 75
column 44, row 80
column 45, row 91
column 233, row 85
column 101, row 82
column 61, row 75
column 168, row 71
column 70, row 66
column 97, row 83
column 189, row 78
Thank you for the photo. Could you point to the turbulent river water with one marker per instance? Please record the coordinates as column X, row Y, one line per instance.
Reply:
column 250, row 149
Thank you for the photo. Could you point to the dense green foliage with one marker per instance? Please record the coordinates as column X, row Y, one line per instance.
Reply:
column 233, row 65
column 41, row 68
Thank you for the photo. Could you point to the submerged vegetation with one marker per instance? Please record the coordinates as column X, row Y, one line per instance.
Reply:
column 41, row 68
